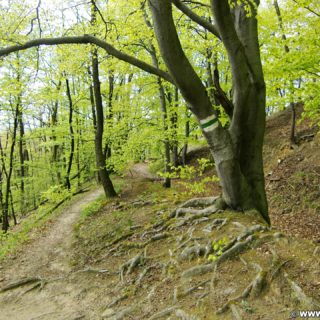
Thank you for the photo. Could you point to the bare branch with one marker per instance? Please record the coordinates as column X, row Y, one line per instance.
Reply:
column 87, row 39
column 36, row 18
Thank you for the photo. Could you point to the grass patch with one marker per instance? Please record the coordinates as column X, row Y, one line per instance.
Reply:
column 21, row 233
column 33, row 223
column 90, row 210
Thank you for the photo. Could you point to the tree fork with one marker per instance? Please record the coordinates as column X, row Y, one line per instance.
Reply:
column 237, row 155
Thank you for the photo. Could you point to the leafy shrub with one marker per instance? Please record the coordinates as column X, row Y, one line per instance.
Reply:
column 196, row 182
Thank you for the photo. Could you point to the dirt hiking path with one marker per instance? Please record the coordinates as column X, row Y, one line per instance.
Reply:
column 47, row 258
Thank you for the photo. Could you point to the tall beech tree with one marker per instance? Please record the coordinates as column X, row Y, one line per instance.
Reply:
column 237, row 150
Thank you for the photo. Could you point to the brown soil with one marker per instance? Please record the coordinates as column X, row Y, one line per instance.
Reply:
column 78, row 267
column 293, row 177
column 46, row 257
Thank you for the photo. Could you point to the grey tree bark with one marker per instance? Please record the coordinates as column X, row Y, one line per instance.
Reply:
column 237, row 151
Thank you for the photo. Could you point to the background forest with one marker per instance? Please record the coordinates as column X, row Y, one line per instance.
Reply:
column 67, row 110
column 159, row 159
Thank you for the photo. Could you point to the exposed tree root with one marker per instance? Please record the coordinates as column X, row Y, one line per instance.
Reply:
column 119, row 239
column 235, row 250
column 299, row 294
column 232, row 251
column 21, row 283
column 235, row 311
column 216, row 223
column 163, row 313
column 199, row 202
column 145, row 271
column 119, row 315
column 254, row 288
column 192, row 218
column 198, row 270
column 131, row 264
column 211, row 204
column 98, row 271
column 135, row 227
column 199, row 213
column 316, row 251
column 39, row 285
column 195, row 251
column 117, row 300
column 184, row 316
column 141, row 245
column 178, row 295
column 153, row 231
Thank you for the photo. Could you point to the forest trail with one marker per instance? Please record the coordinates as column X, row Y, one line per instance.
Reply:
column 48, row 258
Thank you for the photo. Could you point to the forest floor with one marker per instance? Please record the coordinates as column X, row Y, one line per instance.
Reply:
column 139, row 257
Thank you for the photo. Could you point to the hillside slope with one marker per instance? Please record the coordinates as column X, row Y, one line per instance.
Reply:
column 151, row 255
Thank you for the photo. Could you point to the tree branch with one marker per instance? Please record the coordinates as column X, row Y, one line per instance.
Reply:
column 308, row 8
column 193, row 16
column 86, row 39
column 186, row 78
column 197, row 3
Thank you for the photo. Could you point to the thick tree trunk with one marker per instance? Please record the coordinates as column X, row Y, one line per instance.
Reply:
column 238, row 151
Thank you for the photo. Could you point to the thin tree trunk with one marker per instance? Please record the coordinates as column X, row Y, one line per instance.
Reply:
column 94, row 118
column 5, row 211
column 12, row 209
column 56, row 147
column 174, row 125
column 100, row 159
column 22, row 150
column 100, row 156
column 107, row 149
column 78, row 151
column 187, row 134
column 292, row 137
column 71, row 131
column 164, row 112
column 163, row 108
column 1, row 180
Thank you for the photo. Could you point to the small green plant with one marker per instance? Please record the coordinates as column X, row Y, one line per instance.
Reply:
column 246, row 307
column 92, row 208
column 194, row 182
column 218, row 247
column 89, row 210
column 56, row 194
